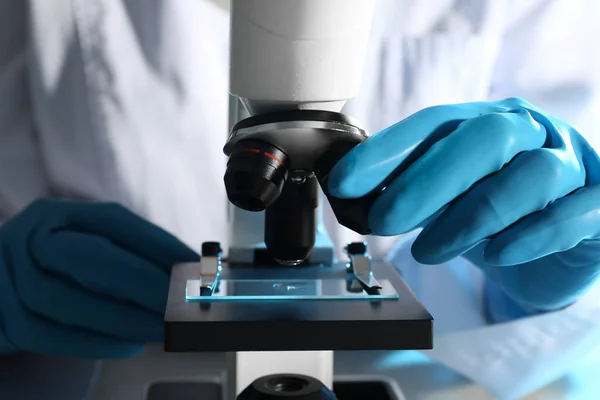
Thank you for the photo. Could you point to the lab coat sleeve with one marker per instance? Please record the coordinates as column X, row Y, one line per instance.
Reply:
column 516, row 358
column 555, row 69
column 22, row 177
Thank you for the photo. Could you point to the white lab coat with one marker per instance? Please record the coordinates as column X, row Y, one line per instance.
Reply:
column 127, row 101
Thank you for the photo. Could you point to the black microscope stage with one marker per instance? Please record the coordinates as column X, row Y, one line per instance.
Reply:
column 294, row 325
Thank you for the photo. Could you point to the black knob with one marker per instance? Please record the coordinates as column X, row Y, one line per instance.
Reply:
column 256, row 172
column 211, row 249
column 356, row 248
column 351, row 213
column 288, row 386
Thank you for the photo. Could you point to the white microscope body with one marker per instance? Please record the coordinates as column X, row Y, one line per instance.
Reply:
column 290, row 55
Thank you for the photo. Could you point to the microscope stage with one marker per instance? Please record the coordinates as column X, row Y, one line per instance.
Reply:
column 292, row 325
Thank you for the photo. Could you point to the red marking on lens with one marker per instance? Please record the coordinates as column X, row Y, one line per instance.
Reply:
column 271, row 156
column 246, row 151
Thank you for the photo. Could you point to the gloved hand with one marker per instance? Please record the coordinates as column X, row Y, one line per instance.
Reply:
column 84, row 280
column 515, row 188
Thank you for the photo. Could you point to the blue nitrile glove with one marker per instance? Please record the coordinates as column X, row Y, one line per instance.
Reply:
column 516, row 187
column 84, row 280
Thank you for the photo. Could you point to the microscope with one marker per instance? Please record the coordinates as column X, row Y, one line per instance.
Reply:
column 277, row 301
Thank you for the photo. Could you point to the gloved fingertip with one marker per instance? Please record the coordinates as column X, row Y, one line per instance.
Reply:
column 339, row 181
column 352, row 177
column 380, row 223
column 179, row 254
column 188, row 255
column 425, row 254
column 391, row 215
column 386, row 225
column 422, row 256
column 422, row 250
